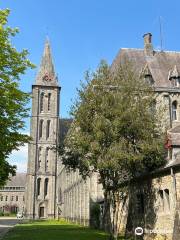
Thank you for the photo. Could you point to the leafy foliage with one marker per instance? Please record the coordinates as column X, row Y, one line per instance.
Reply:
column 12, row 100
column 114, row 131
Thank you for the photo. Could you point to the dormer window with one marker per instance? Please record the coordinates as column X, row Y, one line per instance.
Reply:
column 174, row 77
column 149, row 79
column 146, row 74
column 177, row 82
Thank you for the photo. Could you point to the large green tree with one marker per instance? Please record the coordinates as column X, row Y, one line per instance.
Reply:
column 116, row 132
column 12, row 100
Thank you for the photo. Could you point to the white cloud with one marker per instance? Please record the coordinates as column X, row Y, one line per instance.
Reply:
column 19, row 158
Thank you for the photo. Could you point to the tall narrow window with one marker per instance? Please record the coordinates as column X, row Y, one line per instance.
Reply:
column 167, row 200
column 39, row 158
column 38, row 186
column 48, row 128
column 46, row 187
column 40, row 128
column 47, row 159
column 161, row 199
column 49, row 101
column 174, row 110
column 41, row 102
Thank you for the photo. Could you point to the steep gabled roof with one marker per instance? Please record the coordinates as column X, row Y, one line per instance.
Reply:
column 160, row 63
column 17, row 181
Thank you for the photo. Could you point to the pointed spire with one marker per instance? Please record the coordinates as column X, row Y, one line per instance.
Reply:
column 46, row 74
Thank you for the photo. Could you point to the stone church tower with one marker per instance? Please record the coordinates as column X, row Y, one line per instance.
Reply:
column 42, row 153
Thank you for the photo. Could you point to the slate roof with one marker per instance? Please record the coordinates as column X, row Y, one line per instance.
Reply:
column 161, row 63
column 17, row 181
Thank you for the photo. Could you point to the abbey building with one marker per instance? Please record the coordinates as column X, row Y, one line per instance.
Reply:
column 52, row 192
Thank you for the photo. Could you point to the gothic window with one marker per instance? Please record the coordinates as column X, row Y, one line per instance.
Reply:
column 161, row 199
column 149, row 79
column 167, row 201
column 47, row 159
column 41, row 102
column 174, row 110
column 49, row 101
column 38, row 186
column 40, row 128
column 16, row 198
column 1, row 198
column 46, row 187
column 48, row 128
column 6, row 198
column 39, row 158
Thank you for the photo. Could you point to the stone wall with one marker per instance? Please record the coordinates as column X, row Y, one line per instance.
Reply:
column 12, row 201
column 76, row 196
column 154, row 206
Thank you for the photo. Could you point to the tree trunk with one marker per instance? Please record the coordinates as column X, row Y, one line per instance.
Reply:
column 117, row 206
column 106, row 213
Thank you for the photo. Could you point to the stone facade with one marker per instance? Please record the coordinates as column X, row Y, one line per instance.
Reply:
column 51, row 192
column 12, row 195
column 76, row 197
column 154, row 200
column 42, row 150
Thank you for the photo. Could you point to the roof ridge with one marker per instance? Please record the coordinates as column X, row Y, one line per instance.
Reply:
column 157, row 51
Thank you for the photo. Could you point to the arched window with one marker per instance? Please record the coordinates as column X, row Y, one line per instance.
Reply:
column 167, row 200
column 49, row 101
column 41, row 102
column 40, row 128
column 174, row 110
column 46, row 187
column 38, row 186
column 47, row 159
column 161, row 199
column 48, row 128
column 39, row 158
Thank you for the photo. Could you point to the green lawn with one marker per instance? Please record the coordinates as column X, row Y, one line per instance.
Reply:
column 53, row 230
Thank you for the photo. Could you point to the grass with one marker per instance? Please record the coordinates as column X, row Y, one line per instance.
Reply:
column 53, row 230
column 7, row 214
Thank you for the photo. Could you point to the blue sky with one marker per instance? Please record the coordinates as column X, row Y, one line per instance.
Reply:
column 82, row 32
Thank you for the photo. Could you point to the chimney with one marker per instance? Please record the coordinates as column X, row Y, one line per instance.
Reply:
column 148, row 47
